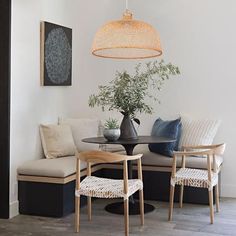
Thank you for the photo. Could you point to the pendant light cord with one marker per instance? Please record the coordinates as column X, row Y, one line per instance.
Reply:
column 126, row 5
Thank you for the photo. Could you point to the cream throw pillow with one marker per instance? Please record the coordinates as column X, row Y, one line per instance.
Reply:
column 83, row 128
column 57, row 141
column 198, row 131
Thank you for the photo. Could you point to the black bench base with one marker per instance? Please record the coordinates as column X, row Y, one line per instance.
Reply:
column 47, row 199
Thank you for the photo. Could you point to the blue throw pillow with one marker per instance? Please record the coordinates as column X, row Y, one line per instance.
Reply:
column 169, row 129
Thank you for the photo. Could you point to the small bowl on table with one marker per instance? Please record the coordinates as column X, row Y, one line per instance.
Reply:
column 111, row 134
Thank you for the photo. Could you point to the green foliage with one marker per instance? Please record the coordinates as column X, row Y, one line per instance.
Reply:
column 128, row 94
column 111, row 124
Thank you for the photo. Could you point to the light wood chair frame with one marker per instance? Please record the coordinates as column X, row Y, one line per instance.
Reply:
column 210, row 151
column 97, row 157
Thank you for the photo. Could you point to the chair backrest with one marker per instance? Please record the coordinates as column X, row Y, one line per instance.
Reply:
column 97, row 157
column 219, row 149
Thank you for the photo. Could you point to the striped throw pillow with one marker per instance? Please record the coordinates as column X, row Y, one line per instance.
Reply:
column 198, row 131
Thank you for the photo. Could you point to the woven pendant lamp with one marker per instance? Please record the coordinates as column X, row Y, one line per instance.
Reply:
column 127, row 39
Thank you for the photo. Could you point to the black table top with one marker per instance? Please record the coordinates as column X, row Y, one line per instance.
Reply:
column 140, row 140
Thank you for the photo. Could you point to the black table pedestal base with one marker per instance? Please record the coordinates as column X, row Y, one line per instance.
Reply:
column 118, row 208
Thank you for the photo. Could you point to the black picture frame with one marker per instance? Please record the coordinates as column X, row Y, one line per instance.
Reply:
column 56, row 55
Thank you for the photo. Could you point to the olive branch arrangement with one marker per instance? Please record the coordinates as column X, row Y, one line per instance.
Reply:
column 128, row 93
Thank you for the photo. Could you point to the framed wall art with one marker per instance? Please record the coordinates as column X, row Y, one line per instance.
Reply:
column 56, row 55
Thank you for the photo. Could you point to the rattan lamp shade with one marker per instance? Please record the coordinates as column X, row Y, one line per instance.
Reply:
column 127, row 39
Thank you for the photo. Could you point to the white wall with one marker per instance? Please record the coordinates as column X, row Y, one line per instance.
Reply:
column 197, row 36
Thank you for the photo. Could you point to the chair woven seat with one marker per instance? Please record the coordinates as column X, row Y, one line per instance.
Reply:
column 194, row 178
column 93, row 186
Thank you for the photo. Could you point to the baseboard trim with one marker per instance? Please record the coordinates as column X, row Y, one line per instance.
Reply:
column 14, row 209
column 228, row 190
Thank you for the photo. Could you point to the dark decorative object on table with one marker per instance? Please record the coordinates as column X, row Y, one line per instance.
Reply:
column 56, row 55
column 169, row 129
column 128, row 93
column 127, row 128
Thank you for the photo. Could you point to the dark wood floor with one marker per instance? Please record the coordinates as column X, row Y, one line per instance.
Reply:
column 192, row 220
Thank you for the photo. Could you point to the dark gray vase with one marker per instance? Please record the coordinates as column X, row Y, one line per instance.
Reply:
column 127, row 130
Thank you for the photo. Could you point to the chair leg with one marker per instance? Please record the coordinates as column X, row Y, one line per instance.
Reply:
column 217, row 196
column 181, row 195
column 172, row 192
column 77, row 213
column 211, row 206
column 126, row 216
column 89, row 208
column 141, row 206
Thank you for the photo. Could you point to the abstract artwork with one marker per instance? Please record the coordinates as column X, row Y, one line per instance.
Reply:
column 56, row 55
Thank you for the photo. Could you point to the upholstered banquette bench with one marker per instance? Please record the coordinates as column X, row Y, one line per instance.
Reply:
column 46, row 186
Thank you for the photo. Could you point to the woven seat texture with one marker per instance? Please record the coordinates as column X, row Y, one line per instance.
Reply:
column 93, row 186
column 194, row 178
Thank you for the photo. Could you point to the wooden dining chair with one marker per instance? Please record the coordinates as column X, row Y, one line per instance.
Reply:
column 98, row 187
column 197, row 177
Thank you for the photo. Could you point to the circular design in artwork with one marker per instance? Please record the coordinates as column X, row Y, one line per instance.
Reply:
column 58, row 55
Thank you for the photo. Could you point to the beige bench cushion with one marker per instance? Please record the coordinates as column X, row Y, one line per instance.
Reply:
column 65, row 166
column 59, row 167
column 154, row 159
